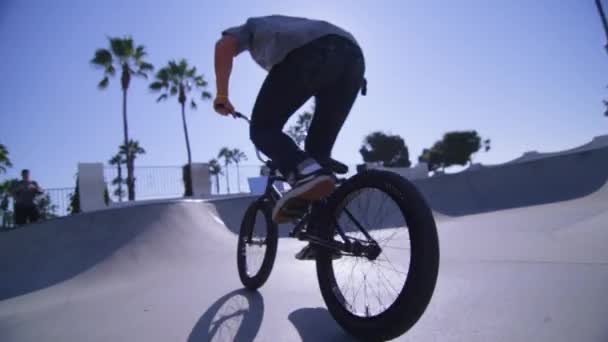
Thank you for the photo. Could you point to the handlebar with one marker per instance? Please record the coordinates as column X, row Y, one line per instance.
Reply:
column 238, row 115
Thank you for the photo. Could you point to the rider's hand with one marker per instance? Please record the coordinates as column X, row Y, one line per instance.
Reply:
column 223, row 106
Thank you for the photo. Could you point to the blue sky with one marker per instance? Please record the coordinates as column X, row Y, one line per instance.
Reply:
column 530, row 75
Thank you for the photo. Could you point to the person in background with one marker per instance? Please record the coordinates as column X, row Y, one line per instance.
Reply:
column 24, row 192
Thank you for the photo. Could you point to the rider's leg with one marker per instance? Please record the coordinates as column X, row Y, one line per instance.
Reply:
column 277, row 100
column 333, row 104
column 286, row 88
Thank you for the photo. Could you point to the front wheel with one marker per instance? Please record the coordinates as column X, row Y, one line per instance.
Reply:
column 257, row 245
column 379, row 296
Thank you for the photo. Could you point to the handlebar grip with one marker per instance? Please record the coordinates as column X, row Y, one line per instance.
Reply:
column 238, row 115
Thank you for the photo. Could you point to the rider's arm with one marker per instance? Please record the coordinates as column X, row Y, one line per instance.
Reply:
column 225, row 50
column 37, row 188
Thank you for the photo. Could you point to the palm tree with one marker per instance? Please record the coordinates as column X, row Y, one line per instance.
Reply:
column 299, row 131
column 179, row 79
column 237, row 157
column 130, row 151
column 118, row 160
column 5, row 163
column 5, row 194
column 226, row 153
column 215, row 169
column 123, row 55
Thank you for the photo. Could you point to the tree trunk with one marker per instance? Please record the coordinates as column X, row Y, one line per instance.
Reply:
column 129, row 156
column 120, row 182
column 186, row 134
column 125, row 80
column 238, row 178
column 189, row 174
column 217, row 183
column 227, row 179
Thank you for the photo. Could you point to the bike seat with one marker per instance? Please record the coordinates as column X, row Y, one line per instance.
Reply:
column 335, row 166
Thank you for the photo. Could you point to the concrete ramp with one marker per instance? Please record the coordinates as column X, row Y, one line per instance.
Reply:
column 523, row 258
column 123, row 240
column 554, row 178
column 167, row 272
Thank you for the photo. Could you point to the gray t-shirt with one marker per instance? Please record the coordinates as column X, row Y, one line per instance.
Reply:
column 269, row 39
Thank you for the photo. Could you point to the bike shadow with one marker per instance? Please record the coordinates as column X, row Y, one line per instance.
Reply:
column 317, row 324
column 237, row 316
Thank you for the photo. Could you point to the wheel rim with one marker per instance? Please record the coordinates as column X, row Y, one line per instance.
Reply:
column 367, row 288
column 255, row 245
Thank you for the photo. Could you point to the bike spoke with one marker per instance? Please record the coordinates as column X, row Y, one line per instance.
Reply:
column 399, row 248
column 369, row 288
column 391, row 265
column 390, row 284
column 388, row 268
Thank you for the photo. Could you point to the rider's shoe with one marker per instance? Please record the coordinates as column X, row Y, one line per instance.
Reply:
column 309, row 252
column 309, row 183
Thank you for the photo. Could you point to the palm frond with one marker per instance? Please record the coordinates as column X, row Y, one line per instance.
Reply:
column 226, row 153
column 192, row 104
column 129, row 46
column 103, row 84
column 117, row 159
column 191, row 72
column 117, row 46
column 173, row 68
column 200, row 81
column 141, row 74
column 110, row 70
column 102, row 58
column 156, row 86
column 144, row 66
column 162, row 97
column 163, row 75
column 206, row 95
column 183, row 67
column 140, row 52
column 117, row 181
column 174, row 90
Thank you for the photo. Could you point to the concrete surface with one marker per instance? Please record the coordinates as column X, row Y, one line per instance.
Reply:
column 514, row 268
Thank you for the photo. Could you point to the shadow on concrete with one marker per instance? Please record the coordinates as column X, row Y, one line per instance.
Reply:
column 316, row 324
column 236, row 316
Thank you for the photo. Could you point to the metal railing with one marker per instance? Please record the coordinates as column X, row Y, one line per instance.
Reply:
column 150, row 182
column 60, row 200
column 58, row 205
column 155, row 182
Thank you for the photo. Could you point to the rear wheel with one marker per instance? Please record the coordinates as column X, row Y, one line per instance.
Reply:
column 383, row 296
column 257, row 245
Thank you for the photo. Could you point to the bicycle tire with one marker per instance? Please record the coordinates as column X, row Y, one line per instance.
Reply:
column 419, row 285
column 256, row 280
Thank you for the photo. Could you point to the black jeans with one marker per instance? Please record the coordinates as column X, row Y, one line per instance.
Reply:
column 331, row 69
column 25, row 214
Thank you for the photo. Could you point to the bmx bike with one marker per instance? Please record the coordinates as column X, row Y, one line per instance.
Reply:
column 375, row 246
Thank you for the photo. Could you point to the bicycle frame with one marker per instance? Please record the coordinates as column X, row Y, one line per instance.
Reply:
column 350, row 246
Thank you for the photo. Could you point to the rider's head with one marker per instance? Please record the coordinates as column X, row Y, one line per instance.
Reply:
column 25, row 174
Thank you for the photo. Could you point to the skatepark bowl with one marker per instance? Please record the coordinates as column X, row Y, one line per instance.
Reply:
column 523, row 258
